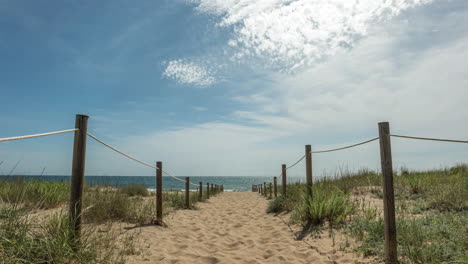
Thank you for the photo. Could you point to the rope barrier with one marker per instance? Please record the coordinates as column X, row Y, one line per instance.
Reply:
column 350, row 146
column 120, row 152
column 134, row 159
column 432, row 139
column 296, row 162
column 37, row 135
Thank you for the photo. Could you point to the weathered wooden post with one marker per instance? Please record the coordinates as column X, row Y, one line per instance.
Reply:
column 265, row 188
column 308, row 155
column 258, row 189
column 78, row 171
column 187, row 192
column 283, row 170
column 388, row 194
column 271, row 192
column 212, row 189
column 275, row 179
column 207, row 191
column 200, row 193
column 159, row 192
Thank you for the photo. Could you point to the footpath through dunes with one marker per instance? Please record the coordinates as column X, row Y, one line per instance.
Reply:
column 229, row 228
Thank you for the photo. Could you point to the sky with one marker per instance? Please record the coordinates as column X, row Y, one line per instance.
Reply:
column 232, row 87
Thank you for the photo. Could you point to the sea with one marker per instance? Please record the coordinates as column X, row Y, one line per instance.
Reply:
column 231, row 183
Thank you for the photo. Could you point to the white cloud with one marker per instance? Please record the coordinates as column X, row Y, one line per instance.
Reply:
column 292, row 34
column 186, row 72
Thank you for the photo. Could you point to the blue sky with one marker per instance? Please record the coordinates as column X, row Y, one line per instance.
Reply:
column 232, row 87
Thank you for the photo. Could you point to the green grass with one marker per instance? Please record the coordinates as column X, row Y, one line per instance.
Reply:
column 34, row 194
column 326, row 205
column 24, row 239
column 432, row 210
column 435, row 238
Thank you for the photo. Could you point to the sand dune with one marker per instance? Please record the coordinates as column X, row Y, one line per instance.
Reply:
column 232, row 228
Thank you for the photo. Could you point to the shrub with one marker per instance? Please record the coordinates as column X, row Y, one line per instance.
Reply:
column 276, row 205
column 326, row 204
column 135, row 190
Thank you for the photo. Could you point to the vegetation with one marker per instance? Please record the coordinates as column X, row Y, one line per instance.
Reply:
column 34, row 194
column 432, row 210
column 26, row 239
column 29, row 238
column 135, row 190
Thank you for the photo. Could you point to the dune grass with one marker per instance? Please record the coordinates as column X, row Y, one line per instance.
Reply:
column 34, row 194
column 432, row 210
column 27, row 239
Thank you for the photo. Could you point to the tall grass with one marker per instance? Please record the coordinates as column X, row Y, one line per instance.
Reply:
column 326, row 204
column 25, row 239
column 34, row 194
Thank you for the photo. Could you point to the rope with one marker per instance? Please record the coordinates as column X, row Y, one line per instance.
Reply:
column 433, row 139
column 296, row 162
column 170, row 175
column 350, row 146
column 120, row 152
column 37, row 135
column 134, row 159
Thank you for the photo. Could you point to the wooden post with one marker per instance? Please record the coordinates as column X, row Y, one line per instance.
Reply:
column 187, row 192
column 200, row 193
column 308, row 153
column 275, row 186
column 212, row 189
column 388, row 194
column 265, row 188
column 159, row 191
column 271, row 191
column 78, row 171
column 283, row 170
column 207, row 191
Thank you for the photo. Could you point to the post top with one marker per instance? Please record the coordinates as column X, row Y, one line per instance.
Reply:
column 79, row 115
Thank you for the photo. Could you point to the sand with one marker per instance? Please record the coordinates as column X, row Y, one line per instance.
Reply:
column 233, row 228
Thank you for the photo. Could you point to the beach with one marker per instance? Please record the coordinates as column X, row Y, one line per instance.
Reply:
column 233, row 228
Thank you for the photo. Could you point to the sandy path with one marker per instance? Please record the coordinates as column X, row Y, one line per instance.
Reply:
column 229, row 228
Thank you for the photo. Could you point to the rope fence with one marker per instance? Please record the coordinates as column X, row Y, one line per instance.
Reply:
column 390, row 242
column 78, row 174
column 137, row 160
column 297, row 162
column 78, row 171
column 347, row 147
column 37, row 135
